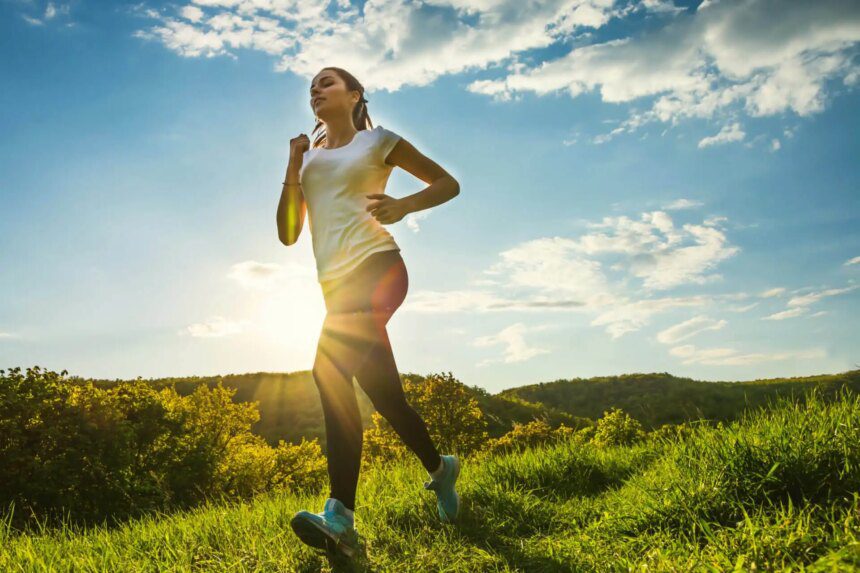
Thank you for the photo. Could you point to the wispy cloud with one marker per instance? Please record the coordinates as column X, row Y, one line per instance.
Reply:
column 689, row 328
column 854, row 261
column 265, row 276
column 799, row 305
column 727, row 134
column 215, row 327
column 513, row 339
column 770, row 293
column 575, row 273
column 679, row 204
column 731, row 357
column 742, row 308
column 50, row 12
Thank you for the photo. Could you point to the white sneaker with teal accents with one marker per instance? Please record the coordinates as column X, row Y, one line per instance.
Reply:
column 330, row 529
column 447, row 499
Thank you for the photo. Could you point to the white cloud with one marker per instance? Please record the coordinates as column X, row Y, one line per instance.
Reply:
column 689, row 328
column 192, row 13
column 428, row 301
column 215, row 327
column 782, row 315
column 727, row 134
column 798, row 305
column 854, row 261
column 7, row 335
column 775, row 144
column 757, row 57
column 662, row 255
column 632, row 315
column 387, row 43
column 567, row 273
column 265, row 276
column 808, row 299
column 50, row 12
column 743, row 308
column 682, row 204
column 513, row 339
column 777, row 291
column 731, row 357
column 728, row 58
column 413, row 218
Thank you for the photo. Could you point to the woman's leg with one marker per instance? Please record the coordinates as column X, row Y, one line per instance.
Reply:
column 380, row 380
column 354, row 342
column 344, row 343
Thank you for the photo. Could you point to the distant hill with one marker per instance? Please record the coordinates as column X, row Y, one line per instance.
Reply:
column 290, row 408
column 660, row 398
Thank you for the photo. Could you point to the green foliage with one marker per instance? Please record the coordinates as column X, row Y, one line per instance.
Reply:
column 95, row 454
column 660, row 398
column 774, row 491
column 528, row 435
column 453, row 418
column 617, row 428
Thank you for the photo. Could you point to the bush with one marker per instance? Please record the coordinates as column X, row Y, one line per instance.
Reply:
column 617, row 428
column 68, row 447
column 527, row 435
column 454, row 420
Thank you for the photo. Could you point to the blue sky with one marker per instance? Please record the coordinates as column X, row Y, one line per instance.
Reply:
column 645, row 186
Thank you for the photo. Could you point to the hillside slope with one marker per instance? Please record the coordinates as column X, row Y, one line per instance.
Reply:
column 777, row 491
column 660, row 398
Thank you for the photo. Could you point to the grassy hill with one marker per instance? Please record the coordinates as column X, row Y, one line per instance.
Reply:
column 774, row 491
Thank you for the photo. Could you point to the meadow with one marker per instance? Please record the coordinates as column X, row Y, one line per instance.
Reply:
column 775, row 490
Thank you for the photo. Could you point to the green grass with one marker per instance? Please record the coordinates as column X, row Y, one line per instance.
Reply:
column 775, row 491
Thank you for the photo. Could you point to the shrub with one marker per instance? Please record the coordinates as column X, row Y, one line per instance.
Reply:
column 617, row 428
column 70, row 449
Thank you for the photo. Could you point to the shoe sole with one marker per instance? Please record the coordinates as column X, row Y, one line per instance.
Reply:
column 315, row 536
column 456, row 495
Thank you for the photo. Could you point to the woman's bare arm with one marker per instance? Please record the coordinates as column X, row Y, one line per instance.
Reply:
column 292, row 207
column 442, row 186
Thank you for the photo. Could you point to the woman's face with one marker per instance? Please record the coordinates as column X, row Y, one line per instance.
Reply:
column 329, row 96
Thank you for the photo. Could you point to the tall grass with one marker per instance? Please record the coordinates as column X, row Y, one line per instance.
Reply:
column 773, row 491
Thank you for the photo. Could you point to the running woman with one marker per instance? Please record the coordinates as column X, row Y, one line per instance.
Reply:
column 340, row 183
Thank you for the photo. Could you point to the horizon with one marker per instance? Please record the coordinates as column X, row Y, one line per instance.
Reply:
column 645, row 186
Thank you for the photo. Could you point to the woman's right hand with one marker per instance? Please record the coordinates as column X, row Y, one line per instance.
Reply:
column 298, row 146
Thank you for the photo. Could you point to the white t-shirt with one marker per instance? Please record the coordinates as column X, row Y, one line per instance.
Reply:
column 334, row 183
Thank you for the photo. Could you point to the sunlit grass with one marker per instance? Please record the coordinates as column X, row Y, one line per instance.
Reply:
column 776, row 491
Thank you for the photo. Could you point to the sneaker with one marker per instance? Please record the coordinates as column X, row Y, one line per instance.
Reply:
column 447, row 502
column 330, row 529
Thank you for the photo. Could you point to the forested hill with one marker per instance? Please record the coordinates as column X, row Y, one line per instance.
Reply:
column 660, row 398
column 290, row 408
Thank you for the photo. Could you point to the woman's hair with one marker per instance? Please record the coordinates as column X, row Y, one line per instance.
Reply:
column 360, row 118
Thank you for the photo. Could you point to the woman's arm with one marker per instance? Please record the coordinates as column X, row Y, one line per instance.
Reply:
column 291, row 207
column 442, row 186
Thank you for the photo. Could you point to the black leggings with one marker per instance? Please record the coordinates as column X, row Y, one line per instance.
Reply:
column 354, row 342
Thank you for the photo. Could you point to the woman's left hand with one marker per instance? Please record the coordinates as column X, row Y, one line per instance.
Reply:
column 387, row 209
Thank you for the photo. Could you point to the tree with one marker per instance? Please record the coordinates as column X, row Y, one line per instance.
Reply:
column 454, row 419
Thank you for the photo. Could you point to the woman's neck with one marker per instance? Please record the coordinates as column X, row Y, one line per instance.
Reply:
column 339, row 133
